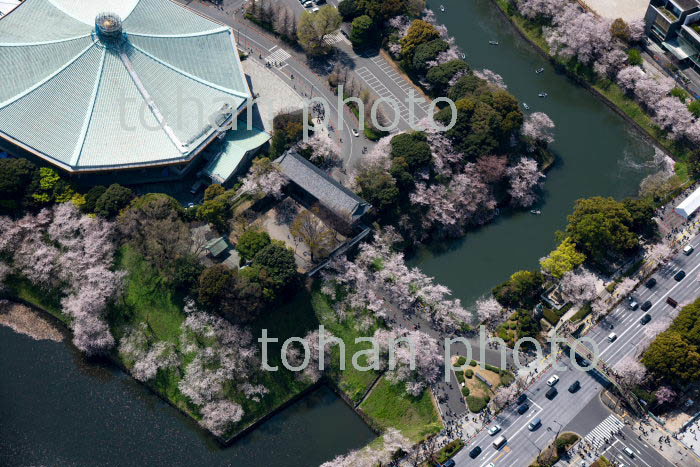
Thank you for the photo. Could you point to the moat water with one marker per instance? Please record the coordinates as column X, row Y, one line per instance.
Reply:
column 56, row 409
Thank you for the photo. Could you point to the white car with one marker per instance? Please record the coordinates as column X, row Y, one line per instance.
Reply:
column 612, row 336
column 355, row 132
column 494, row 429
column 688, row 250
column 553, row 380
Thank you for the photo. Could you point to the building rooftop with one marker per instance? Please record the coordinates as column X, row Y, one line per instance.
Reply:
column 686, row 5
column 235, row 146
column 144, row 94
column 323, row 187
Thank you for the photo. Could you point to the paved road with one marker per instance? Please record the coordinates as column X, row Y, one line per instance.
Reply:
column 379, row 75
column 626, row 324
column 523, row 445
column 291, row 67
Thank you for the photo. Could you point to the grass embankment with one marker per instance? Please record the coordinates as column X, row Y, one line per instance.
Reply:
column 390, row 406
column 611, row 91
column 147, row 298
column 353, row 382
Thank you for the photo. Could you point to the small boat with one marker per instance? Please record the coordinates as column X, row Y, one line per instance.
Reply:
column 539, row 70
column 536, row 212
column 463, row 55
column 527, row 107
column 442, row 8
column 542, row 94
column 493, row 42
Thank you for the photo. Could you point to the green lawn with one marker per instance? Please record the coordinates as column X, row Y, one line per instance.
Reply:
column 389, row 406
column 353, row 382
column 48, row 300
column 147, row 298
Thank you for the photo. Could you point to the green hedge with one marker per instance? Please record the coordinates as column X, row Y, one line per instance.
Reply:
column 477, row 404
column 472, row 363
column 465, row 391
column 449, row 451
column 582, row 313
column 461, row 361
column 469, row 373
column 551, row 317
column 460, row 376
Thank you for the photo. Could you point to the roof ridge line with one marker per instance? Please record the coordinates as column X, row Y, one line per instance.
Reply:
column 151, row 103
column 175, row 36
column 55, row 41
column 189, row 75
column 87, row 121
column 47, row 79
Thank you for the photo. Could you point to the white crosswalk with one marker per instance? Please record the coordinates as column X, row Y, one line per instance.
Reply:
column 278, row 55
column 604, row 430
column 335, row 38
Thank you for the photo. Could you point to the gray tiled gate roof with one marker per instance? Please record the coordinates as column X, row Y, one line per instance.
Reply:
column 322, row 186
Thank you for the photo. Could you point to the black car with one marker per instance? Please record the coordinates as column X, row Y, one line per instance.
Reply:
column 645, row 319
column 679, row 276
column 523, row 408
column 475, row 452
column 522, row 398
column 575, row 386
column 551, row 394
column 650, row 283
column 646, row 305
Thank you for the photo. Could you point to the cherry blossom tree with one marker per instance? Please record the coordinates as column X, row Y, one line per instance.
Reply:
column 311, row 372
column 503, row 396
column 578, row 287
column 489, row 311
column 219, row 415
column 655, row 328
column 416, row 349
column 540, row 9
column 264, row 178
column 610, row 62
column 673, row 115
column 61, row 250
column 492, row 168
column 492, row 77
column 525, row 178
column 628, row 76
column 630, row 372
column 324, row 150
column 665, row 395
column 579, row 34
column 538, row 128
column 374, row 454
column 649, row 90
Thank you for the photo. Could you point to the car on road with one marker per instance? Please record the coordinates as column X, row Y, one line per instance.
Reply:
column 522, row 398
column 633, row 304
column 553, row 380
column 671, row 302
column 629, row 452
column 679, row 276
column 551, row 394
column 494, row 429
column 523, row 408
column 499, row 442
column 449, row 463
column 575, row 386
column 612, row 336
column 646, row 305
column 355, row 132
column 475, row 452
column 645, row 319
column 650, row 283
column 534, row 424
column 688, row 249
